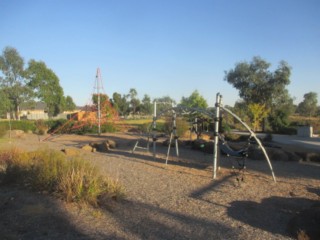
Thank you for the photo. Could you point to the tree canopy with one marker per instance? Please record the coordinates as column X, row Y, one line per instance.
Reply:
column 46, row 86
column 22, row 85
column 308, row 107
column 257, row 83
column 195, row 100
column 13, row 83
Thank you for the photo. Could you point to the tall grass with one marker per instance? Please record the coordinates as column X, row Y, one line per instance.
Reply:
column 74, row 180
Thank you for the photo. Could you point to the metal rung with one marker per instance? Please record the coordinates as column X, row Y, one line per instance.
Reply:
column 136, row 146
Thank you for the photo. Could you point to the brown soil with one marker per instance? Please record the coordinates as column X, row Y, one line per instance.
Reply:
column 175, row 201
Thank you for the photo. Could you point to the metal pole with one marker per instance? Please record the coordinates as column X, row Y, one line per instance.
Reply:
column 154, row 125
column 175, row 133
column 98, row 93
column 216, row 134
column 168, row 152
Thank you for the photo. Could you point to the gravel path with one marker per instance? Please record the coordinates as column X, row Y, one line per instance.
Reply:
column 177, row 201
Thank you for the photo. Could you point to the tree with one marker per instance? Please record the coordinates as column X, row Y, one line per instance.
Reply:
column 134, row 101
column 195, row 100
column 69, row 104
column 257, row 84
column 120, row 103
column 308, row 107
column 46, row 85
column 146, row 105
column 13, row 83
column 5, row 104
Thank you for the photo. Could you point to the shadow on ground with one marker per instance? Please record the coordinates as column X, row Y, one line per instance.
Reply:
column 270, row 213
column 27, row 215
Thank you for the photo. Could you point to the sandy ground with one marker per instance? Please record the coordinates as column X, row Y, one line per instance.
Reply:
column 175, row 201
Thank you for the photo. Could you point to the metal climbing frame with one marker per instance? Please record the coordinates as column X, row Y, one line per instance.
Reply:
column 219, row 107
column 216, row 119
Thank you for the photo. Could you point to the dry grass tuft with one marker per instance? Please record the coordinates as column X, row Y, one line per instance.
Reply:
column 74, row 180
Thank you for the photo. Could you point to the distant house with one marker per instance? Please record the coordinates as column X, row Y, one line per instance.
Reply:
column 33, row 111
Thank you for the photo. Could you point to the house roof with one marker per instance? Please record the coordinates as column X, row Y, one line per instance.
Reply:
column 33, row 106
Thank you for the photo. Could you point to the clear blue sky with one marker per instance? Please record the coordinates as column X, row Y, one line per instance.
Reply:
column 164, row 47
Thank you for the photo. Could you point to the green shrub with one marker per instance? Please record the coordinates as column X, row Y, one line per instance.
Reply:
column 24, row 125
column 3, row 128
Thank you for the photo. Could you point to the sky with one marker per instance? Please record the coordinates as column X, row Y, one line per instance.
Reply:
column 164, row 47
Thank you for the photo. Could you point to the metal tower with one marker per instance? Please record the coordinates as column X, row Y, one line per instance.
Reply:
column 98, row 89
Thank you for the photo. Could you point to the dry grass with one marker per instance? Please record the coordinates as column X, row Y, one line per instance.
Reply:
column 74, row 180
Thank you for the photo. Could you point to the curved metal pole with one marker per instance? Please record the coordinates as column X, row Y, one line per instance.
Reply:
column 255, row 137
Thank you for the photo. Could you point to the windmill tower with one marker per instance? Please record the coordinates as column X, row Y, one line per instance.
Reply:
column 98, row 89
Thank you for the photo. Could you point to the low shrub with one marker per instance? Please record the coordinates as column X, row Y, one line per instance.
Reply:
column 24, row 125
column 3, row 128
column 73, row 179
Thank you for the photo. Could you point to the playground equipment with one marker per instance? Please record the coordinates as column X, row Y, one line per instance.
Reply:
column 223, row 146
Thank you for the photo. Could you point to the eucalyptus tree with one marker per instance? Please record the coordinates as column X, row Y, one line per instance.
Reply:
column 120, row 103
column 146, row 106
column 258, row 84
column 12, row 83
column 134, row 101
column 308, row 107
column 46, row 86
column 195, row 100
column 69, row 104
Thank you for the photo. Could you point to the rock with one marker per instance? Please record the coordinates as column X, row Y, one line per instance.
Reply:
column 88, row 148
column 112, row 144
column 70, row 151
column 104, row 146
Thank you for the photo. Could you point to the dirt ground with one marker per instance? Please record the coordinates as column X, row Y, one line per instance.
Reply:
column 175, row 201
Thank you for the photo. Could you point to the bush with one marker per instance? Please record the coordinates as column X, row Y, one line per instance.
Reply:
column 24, row 125
column 3, row 128
column 73, row 179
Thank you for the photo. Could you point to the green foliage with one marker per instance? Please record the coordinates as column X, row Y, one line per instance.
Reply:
column 195, row 100
column 46, row 85
column 256, row 83
column 258, row 113
column 146, row 106
column 13, row 83
column 308, row 107
column 74, row 180
column 24, row 125
column 69, row 105
column 103, row 98
column 120, row 103
column 55, row 124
